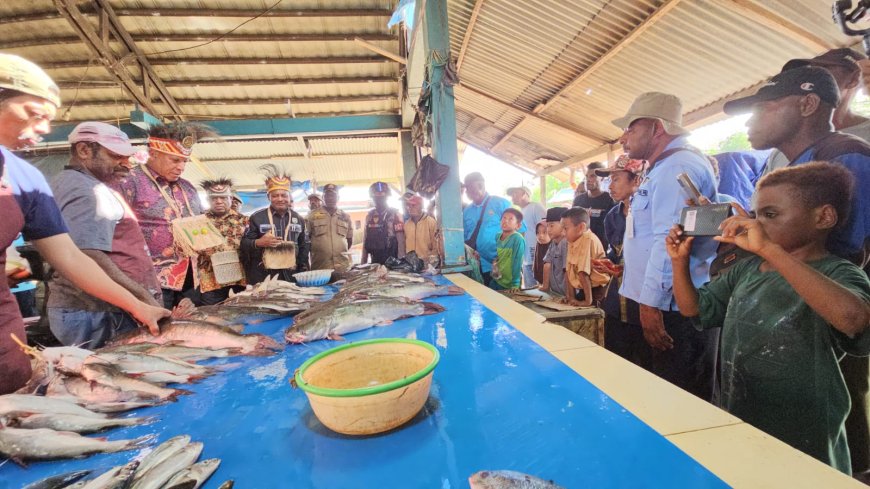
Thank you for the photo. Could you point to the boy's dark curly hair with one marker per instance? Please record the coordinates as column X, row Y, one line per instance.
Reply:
column 816, row 184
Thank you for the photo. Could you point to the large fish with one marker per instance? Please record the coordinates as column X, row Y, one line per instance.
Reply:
column 247, row 313
column 111, row 376
column 118, row 477
column 198, row 334
column 194, row 476
column 81, row 391
column 14, row 405
column 356, row 316
column 45, row 444
column 158, row 475
column 413, row 290
column 508, row 479
column 58, row 481
column 76, row 423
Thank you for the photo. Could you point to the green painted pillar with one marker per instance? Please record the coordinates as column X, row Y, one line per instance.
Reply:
column 437, row 48
column 409, row 156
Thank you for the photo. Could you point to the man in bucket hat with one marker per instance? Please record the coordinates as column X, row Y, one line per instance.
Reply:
column 653, row 131
column 105, row 229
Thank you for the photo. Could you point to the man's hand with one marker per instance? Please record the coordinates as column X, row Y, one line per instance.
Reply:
column 678, row 246
column 654, row 328
column 148, row 315
column 267, row 240
column 571, row 301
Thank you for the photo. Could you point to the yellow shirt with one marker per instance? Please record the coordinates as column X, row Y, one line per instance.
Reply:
column 580, row 255
column 420, row 236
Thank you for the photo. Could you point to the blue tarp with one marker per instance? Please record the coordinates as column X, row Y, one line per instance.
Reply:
column 498, row 401
column 739, row 171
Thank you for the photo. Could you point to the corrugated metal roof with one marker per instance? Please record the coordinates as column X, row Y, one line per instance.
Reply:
column 520, row 57
column 524, row 53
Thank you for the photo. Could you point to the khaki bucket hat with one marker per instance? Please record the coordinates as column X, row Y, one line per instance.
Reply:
column 19, row 74
column 656, row 105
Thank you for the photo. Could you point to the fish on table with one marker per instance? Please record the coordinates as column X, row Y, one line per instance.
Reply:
column 46, row 444
column 194, row 476
column 118, row 477
column 158, row 475
column 110, row 375
column 355, row 316
column 508, row 479
column 199, row 334
column 76, row 423
column 59, row 481
column 14, row 405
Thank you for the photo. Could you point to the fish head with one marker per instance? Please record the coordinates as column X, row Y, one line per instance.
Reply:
column 295, row 337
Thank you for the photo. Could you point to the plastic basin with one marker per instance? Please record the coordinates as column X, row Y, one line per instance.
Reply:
column 370, row 386
column 313, row 278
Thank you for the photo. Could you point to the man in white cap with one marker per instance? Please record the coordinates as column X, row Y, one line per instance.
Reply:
column 652, row 131
column 29, row 100
column 104, row 228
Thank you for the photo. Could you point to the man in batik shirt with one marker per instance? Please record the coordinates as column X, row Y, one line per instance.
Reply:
column 231, row 225
column 157, row 195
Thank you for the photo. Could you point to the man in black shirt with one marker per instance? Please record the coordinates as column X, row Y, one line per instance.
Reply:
column 596, row 201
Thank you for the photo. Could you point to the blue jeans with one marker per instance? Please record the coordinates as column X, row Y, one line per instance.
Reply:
column 529, row 276
column 87, row 329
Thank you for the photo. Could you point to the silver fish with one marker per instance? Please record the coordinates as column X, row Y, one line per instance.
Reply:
column 227, row 485
column 190, row 354
column 194, row 476
column 115, row 478
column 44, row 444
column 58, row 481
column 67, row 359
column 508, row 479
column 356, row 316
column 157, row 476
column 12, row 405
column 109, row 375
column 199, row 334
column 137, row 363
column 163, row 451
column 76, row 423
column 119, row 407
column 414, row 291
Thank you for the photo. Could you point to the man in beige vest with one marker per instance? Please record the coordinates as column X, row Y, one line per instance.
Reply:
column 421, row 230
column 331, row 233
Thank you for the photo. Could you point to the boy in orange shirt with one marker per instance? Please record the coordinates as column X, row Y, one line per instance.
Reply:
column 584, row 286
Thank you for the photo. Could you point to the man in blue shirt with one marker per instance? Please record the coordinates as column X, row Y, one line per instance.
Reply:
column 653, row 132
column 482, row 221
column 738, row 173
column 793, row 113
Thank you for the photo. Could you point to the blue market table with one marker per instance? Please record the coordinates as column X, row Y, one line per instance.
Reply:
column 498, row 401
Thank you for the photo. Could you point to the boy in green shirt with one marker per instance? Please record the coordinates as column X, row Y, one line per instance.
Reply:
column 789, row 313
column 510, row 249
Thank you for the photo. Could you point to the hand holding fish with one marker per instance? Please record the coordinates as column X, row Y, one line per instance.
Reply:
column 148, row 316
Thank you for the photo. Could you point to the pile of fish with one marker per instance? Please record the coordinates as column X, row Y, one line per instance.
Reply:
column 172, row 465
column 368, row 297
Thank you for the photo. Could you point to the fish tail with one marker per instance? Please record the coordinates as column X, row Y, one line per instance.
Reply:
column 178, row 392
column 454, row 290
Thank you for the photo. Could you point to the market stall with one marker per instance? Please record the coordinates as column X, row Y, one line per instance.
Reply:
column 498, row 401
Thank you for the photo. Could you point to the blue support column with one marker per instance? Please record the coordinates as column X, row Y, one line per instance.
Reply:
column 437, row 38
column 409, row 156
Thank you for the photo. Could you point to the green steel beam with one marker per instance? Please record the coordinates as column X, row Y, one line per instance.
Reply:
column 260, row 127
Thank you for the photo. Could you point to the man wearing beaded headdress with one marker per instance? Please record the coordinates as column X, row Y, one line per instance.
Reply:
column 231, row 225
column 158, row 195
column 275, row 232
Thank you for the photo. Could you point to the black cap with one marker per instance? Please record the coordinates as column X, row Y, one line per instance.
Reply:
column 554, row 214
column 798, row 81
